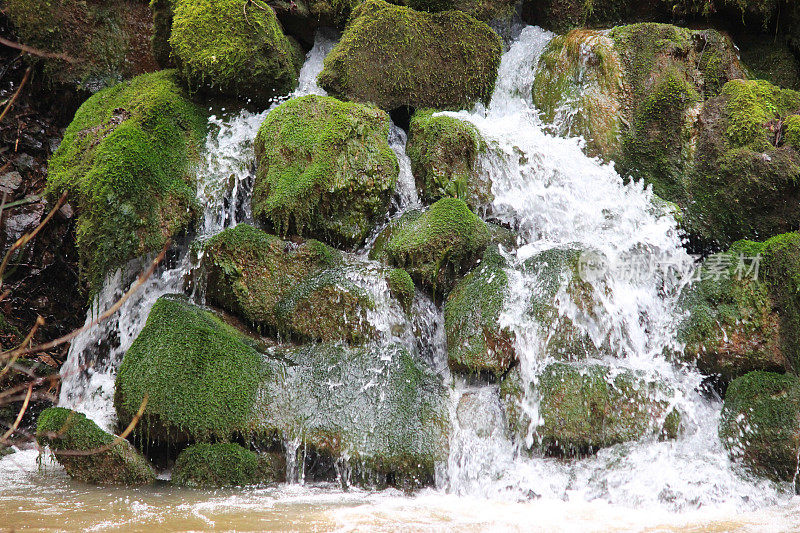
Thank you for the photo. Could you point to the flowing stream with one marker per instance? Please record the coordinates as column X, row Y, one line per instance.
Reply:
column 554, row 197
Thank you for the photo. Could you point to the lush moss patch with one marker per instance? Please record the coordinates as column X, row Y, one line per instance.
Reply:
column 745, row 181
column 125, row 161
column 475, row 340
column 199, row 374
column 325, row 169
column 225, row 465
column 221, row 50
column 444, row 153
column 394, row 56
column 771, row 60
column 297, row 290
column 760, row 423
column 402, row 287
column 435, row 246
column 67, row 431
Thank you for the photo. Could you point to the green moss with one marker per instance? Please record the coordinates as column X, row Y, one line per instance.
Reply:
column 792, row 131
column 750, row 105
column 759, row 423
column 226, row 465
column 772, row 60
column 564, row 15
column 476, row 341
column 782, row 271
column 200, row 376
column 402, row 287
column 325, row 169
column 221, row 50
column 394, row 56
column 125, row 161
column 436, row 246
column 66, row 431
column 444, row 153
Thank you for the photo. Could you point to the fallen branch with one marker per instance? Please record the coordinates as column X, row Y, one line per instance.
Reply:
column 24, row 408
column 16, row 94
column 36, row 52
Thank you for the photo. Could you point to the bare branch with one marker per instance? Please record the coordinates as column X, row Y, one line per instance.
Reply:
column 24, row 408
column 36, row 52
column 16, row 94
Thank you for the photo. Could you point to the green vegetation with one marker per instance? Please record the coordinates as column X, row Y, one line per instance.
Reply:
column 402, row 287
column 125, row 161
column 226, row 465
column 436, row 246
column 444, row 153
column 221, row 50
column 325, row 169
column 475, row 340
column 759, row 423
column 771, row 60
column 394, row 56
column 564, row 15
column 69, row 431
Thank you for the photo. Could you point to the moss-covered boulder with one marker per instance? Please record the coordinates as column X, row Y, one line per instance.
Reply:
column 760, row 423
column 402, row 287
column 435, row 246
column 587, row 407
column 105, row 43
column 125, row 160
column 86, row 452
column 634, row 93
column 476, row 342
column 199, row 374
column 394, row 56
column 296, row 289
column 445, row 159
column 226, row 465
column 222, row 49
column 745, row 181
column 377, row 406
column 325, row 169
column 732, row 325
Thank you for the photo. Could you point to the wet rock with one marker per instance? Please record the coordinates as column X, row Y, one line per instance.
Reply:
column 226, row 465
column 10, row 182
column 325, row 170
column 17, row 221
column 68, row 433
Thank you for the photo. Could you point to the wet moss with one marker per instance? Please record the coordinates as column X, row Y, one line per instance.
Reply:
column 772, row 60
column 394, row 56
column 325, row 169
column 436, row 246
column 221, row 50
column 402, row 287
column 66, row 431
column 760, row 421
column 444, row 153
column 125, row 160
column 226, row 465
column 476, row 342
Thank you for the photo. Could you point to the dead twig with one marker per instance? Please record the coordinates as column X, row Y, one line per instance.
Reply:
column 36, row 52
column 16, row 94
column 24, row 408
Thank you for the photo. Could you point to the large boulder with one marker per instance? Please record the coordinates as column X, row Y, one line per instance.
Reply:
column 435, row 246
column 377, row 406
column 299, row 290
column 104, row 45
column 221, row 47
column 325, row 169
column 760, row 423
column 445, row 159
column 226, row 465
column 86, row 452
column 588, row 407
column 394, row 56
column 745, row 181
column 125, row 160
column 634, row 92
column 476, row 342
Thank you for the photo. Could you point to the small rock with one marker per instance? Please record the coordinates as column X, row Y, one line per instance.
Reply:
column 10, row 182
column 22, row 220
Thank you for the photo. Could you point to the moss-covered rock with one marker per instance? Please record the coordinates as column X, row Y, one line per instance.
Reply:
column 476, row 341
column 444, row 153
column 732, row 325
column 402, row 287
column 199, row 374
column 298, row 290
column 68, row 433
column 125, row 160
column 325, row 169
column 221, row 49
column 435, row 246
column 378, row 406
column 226, row 465
column 745, row 180
column 771, row 60
column 760, row 423
column 588, row 407
column 634, row 93
column 394, row 56
column 107, row 42
column 564, row 15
